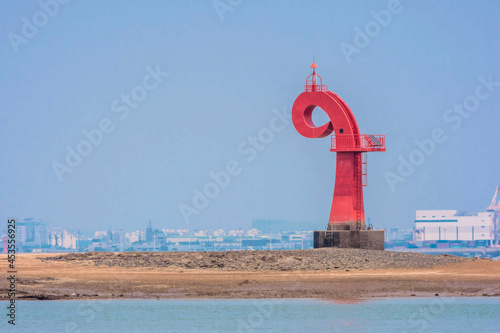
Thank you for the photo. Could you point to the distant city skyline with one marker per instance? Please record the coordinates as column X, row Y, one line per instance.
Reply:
column 117, row 113
column 434, row 232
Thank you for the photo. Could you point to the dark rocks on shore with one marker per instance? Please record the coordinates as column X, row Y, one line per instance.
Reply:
column 286, row 260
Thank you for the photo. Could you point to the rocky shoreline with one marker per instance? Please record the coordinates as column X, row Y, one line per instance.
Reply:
column 287, row 260
column 319, row 273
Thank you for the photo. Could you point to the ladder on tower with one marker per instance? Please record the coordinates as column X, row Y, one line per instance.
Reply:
column 361, row 170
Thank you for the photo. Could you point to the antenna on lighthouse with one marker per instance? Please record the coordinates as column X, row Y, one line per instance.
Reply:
column 312, row 80
column 314, row 66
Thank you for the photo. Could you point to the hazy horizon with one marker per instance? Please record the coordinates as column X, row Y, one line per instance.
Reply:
column 205, row 81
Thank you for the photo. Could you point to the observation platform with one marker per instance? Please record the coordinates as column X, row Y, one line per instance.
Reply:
column 357, row 143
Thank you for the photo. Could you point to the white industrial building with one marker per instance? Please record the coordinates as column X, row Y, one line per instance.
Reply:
column 62, row 238
column 447, row 225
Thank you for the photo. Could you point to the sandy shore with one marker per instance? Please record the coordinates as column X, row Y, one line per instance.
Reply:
column 69, row 279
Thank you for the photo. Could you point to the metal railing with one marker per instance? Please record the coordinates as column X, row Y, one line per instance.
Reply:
column 358, row 142
column 316, row 87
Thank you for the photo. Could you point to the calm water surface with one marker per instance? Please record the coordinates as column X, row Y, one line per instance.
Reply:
column 437, row 314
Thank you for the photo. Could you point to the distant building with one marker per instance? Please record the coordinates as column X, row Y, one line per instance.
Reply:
column 32, row 232
column 101, row 234
column 149, row 233
column 98, row 245
column 219, row 232
column 254, row 232
column 447, row 225
column 110, row 235
column 62, row 238
column 134, row 236
column 159, row 237
column 393, row 234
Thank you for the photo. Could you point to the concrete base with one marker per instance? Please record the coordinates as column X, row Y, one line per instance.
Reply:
column 353, row 239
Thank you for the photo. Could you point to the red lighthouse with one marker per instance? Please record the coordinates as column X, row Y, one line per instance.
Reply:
column 346, row 225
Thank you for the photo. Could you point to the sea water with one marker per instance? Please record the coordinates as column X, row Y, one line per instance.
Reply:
column 436, row 314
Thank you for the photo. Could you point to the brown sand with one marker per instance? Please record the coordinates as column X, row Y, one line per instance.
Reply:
column 59, row 279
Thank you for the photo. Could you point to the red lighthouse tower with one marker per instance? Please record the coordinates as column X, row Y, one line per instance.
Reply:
column 346, row 225
column 4, row 240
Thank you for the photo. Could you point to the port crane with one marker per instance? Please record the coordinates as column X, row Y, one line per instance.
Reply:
column 494, row 209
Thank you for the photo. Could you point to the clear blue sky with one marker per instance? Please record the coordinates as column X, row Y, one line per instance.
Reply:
column 225, row 78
